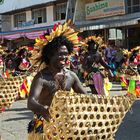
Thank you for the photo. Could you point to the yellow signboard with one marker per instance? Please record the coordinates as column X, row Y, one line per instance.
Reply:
column 105, row 8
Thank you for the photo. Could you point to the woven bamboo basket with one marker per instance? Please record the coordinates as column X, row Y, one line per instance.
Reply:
column 9, row 89
column 134, row 77
column 85, row 117
column 129, row 77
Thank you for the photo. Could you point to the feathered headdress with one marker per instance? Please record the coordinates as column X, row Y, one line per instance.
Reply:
column 20, row 48
column 126, row 52
column 2, row 50
column 135, row 49
column 66, row 29
column 59, row 30
column 97, row 39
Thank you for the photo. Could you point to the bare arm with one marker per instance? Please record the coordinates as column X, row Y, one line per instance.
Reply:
column 87, row 64
column 104, row 64
column 34, row 95
column 77, row 86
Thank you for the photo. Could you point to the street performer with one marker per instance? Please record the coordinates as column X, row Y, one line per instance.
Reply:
column 93, row 64
column 55, row 50
column 61, row 113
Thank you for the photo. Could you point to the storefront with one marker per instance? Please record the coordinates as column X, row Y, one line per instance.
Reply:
column 110, row 19
column 22, row 37
column 133, row 36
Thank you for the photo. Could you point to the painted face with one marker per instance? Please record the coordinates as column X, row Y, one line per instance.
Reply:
column 59, row 59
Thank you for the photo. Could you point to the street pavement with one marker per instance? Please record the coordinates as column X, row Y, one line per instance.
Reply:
column 14, row 121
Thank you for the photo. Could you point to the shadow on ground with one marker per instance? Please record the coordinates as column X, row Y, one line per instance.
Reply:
column 16, row 109
column 130, row 126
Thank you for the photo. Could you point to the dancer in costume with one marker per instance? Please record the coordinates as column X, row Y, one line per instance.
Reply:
column 92, row 64
column 22, row 61
column 122, row 66
column 55, row 50
column 133, row 71
column 128, row 71
column 9, row 64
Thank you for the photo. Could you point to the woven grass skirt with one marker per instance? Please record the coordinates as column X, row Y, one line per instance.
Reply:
column 9, row 88
column 84, row 117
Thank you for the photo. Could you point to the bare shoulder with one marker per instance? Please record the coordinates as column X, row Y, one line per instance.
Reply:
column 71, row 73
column 98, row 54
column 41, row 75
column 38, row 76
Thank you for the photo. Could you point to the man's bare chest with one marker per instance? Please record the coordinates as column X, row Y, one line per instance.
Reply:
column 63, row 83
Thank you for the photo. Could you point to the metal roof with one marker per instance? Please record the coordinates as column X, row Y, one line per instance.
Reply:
column 13, row 5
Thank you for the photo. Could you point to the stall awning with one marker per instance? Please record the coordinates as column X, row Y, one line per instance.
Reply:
column 33, row 35
column 12, row 36
column 30, row 33
column 92, row 25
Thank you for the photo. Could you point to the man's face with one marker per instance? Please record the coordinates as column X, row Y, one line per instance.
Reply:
column 93, row 47
column 59, row 59
column 25, row 54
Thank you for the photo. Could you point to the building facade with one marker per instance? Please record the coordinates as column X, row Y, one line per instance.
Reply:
column 32, row 18
column 117, row 21
column 0, row 23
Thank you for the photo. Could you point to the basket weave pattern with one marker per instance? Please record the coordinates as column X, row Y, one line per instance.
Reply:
column 9, row 89
column 85, row 117
column 1, row 67
column 129, row 77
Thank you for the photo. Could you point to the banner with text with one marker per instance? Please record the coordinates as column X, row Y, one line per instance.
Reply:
column 105, row 8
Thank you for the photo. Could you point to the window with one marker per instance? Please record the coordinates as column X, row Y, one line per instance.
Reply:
column 60, row 11
column 39, row 15
column 71, row 9
column 115, row 34
column 129, row 3
column 136, row 9
column 19, row 19
column 136, row 2
column 133, row 6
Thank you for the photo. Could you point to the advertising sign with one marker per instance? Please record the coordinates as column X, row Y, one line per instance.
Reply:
column 28, row 23
column 104, row 8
